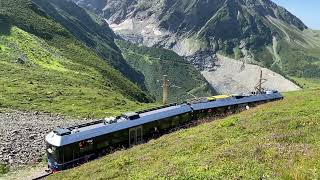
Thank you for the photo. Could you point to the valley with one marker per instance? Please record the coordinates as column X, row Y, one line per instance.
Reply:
column 275, row 33
column 69, row 62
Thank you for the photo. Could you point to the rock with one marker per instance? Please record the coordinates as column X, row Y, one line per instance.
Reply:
column 32, row 137
column 22, row 59
column 15, row 132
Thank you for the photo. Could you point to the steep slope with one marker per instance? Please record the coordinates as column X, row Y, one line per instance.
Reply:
column 257, row 32
column 185, row 81
column 278, row 140
column 93, row 31
column 238, row 77
column 44, row 67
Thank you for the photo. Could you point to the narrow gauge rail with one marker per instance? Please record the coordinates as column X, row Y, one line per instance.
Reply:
column 42, row 176
column 72, row 146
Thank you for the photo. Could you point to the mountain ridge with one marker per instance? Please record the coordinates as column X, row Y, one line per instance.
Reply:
column 255, row 32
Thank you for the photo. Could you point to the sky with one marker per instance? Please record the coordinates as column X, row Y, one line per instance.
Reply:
column 306, row 10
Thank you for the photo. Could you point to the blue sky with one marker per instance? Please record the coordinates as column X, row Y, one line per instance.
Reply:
column 307, row 10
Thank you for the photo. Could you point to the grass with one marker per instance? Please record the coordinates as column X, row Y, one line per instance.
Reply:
column 51, row 82
column 3, row 169
column 307, row 83
column 279, row 140
column 44, row 67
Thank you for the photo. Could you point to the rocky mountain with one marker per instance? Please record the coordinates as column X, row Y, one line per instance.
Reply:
column 253, row 31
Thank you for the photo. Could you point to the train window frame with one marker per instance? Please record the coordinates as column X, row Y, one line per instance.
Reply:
column 132, row 136
column 68, row 153
column 139, row 134
column 53, row 151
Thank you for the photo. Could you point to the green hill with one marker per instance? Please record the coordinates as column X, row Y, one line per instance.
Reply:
column 279, row 140
column 93, row 31
column 153, row 63
column 46, row 67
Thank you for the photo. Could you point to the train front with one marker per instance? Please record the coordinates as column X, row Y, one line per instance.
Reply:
column 54, row 151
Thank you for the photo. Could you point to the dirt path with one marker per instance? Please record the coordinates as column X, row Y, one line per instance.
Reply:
column 275, row 52
column 25, row 173
column 271, row 20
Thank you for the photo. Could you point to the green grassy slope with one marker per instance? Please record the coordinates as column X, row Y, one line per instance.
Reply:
column 279, row 140
column 294, row 52
column 153, row 63
column 44, row 67
column 307, row 83
column 92, row 31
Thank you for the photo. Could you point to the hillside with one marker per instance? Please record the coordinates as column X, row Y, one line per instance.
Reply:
column 255, row 32
column 278, row 140
column 93, row 31
column 185, row 81
column 45, row 67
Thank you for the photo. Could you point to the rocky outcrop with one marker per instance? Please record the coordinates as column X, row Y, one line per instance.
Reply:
column 215, row 24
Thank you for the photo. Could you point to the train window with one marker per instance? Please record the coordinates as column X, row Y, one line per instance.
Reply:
column 68, row 153
column 86, row 145
column 139, row 135
column 102, row 144
column 53, row 152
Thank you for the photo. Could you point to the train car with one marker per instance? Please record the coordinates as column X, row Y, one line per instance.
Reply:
column 230, row 104
column 69, row 147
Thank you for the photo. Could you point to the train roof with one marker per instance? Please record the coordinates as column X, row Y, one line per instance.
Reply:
column 235, row 100
column 64, row 136
column 70, row 135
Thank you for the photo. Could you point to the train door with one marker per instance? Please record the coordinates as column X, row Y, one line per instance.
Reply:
column 135, row 136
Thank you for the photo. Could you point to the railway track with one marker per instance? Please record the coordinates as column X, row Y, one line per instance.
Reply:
column 42, row 176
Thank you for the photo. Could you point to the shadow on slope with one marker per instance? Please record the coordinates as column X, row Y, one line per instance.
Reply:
column 5, row 25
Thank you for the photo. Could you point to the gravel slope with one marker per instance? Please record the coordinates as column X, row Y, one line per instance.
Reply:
column 23, row 133
column 232, row 76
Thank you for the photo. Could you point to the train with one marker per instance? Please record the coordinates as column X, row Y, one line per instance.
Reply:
column 72, row 146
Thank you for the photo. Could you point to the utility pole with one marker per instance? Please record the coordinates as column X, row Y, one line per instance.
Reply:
column 260, row 82
column 259, row 87
column 165, row 86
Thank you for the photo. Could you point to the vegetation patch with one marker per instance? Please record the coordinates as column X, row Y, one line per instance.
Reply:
column 3, row 169
column 153, row 63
